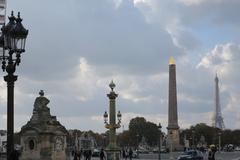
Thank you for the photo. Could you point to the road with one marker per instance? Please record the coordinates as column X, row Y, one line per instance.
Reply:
column 219, row 156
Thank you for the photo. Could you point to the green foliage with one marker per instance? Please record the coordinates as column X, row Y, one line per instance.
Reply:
column 139, row 128
column 211, row 135
column 124, row 139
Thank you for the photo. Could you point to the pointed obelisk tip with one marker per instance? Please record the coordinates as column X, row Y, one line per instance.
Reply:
column 171, row 61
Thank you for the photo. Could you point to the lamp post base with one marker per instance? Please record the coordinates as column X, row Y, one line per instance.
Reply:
column 113, row 154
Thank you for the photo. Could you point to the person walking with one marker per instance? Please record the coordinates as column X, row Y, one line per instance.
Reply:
column 15, row 155
column 211, row 153
column 85, row 155
column 124, row 153
column 89, row 155
column 80, row 154
column 102, row 155
column 130, row 153
column 75, row 156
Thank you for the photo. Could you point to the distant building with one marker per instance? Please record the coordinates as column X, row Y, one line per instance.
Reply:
column 85, row 142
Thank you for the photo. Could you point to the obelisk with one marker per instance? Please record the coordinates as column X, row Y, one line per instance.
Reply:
column 173, row 128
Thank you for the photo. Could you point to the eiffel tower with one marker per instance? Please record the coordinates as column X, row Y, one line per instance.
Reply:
column 217, row 118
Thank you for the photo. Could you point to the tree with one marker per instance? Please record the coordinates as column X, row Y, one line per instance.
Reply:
column 139, row 127
column 211, row 135
column 124, row 139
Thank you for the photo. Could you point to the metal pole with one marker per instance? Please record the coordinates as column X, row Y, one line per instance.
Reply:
column 171, row 151
column 10, row 79
column 193, row 142
column 219, row 142
column 159, row 151
column 137, row 145
column 112, row 115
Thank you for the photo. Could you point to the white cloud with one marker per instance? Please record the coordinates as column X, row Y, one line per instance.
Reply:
column 192, row 2
column 221, row 59
column 85, row 80
column 117, row 3
column 198, row 2
column 186, row 120
column 3, row 92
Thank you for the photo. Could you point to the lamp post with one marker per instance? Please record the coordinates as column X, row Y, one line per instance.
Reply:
column 159, row 145
column 170, row 133
column 104, row 140
column 219, row 141
column 190, row 143
column 193, row 140
column 13, row 40
column 138, row 136
column 113, row 152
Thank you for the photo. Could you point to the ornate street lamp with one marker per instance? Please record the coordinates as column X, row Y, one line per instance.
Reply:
column 119, row 116
column 113, row 151
column 105, row 116
column 160, row 136
column 13, row 40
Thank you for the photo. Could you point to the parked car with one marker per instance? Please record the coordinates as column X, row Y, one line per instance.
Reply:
column 237, row 148
column 143, row 151
column 191, row 155
column 228, row 148
column 163, row 150
column 135, row 154
column 96, row 153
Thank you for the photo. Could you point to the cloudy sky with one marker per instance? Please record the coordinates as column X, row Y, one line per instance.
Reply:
column 76, row 47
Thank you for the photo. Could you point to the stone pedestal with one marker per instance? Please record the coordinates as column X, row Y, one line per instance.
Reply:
column 173, row 140
column 113, row 154
column 43, row 137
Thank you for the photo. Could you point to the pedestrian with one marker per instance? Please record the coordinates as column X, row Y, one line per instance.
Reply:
column 85, row 154
column 15, row 155
column 130, row 153
column 75, row 156
column 72, row 153
column 89, row 155
column 211, row 153
column 102, row 155
column 123, row 153
column 80, row 154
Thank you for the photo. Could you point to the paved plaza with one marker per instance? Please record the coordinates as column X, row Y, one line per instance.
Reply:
column 219, row 156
